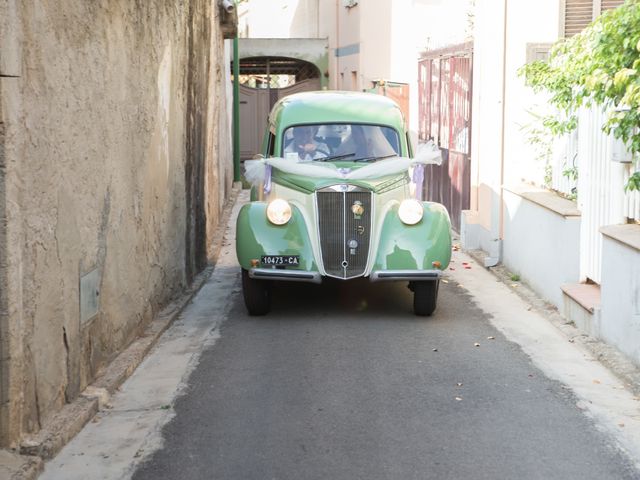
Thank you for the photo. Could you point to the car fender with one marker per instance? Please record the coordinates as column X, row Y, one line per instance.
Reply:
column 257, row 236
column 414, row 247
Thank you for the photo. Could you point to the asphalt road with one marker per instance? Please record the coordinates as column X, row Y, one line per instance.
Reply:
column 341, row 381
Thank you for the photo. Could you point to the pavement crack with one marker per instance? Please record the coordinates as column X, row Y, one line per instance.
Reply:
column 165, row 408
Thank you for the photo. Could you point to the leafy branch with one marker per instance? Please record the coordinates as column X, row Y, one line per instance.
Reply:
column 600, row 66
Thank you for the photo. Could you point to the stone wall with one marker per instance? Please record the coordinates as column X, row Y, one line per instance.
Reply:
column 114, row 166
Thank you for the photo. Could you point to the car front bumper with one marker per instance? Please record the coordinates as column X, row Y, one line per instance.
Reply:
column 285, row 275
column 315, row 277
column 405, row 275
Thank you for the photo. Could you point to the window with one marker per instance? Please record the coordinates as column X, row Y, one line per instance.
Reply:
column 577, row 14
column 271, row 145
column 350, row 141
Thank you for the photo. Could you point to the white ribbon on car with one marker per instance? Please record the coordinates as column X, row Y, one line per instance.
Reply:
column 258, row 172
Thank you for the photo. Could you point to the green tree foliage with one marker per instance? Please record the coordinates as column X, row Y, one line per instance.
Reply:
column 600, row 66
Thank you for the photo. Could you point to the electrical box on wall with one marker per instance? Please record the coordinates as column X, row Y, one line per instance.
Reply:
column 89, row 295
column 619, row 151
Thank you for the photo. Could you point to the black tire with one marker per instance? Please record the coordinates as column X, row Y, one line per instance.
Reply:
column 257, row 294
column 425, row 297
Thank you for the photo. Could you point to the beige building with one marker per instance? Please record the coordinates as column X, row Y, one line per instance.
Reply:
column 115, row 161
column 369, row 40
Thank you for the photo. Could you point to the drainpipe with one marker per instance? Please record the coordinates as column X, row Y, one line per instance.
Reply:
column 496, row 255
column 236, row 109
column 504, row 101
column 337, row 72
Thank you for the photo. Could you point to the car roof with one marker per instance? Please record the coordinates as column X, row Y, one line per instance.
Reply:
column 336, row 107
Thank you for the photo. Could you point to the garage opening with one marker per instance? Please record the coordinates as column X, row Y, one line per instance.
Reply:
column 262, row 82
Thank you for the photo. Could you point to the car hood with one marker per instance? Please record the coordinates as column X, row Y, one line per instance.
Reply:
column 309, row 185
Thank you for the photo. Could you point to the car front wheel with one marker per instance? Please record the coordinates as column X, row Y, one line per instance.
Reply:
column 425, row 297
column 257, row 294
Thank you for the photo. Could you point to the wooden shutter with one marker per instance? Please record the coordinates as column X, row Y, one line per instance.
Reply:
column 577, row 15
column 610, row 4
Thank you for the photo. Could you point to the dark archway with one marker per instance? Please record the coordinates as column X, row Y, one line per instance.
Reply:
column 275, row 72
column 263, row 81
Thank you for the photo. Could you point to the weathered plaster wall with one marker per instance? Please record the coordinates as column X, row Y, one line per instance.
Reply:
column 218, row 161
column 111, row 161
column 4, row 299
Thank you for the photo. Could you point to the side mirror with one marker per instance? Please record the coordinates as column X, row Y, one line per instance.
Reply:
column 428, row 154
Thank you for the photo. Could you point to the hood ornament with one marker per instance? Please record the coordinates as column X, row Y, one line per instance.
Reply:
column 357, row 209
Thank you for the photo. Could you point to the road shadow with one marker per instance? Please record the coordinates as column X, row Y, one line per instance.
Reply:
column 358, row 297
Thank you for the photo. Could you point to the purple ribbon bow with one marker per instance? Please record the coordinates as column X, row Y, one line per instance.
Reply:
column 267, row 179
column 418, row 180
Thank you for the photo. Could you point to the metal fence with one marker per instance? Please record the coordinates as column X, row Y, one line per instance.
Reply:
column 444, row 96
column 632, row 202
column 601, row 196
column 563, row 163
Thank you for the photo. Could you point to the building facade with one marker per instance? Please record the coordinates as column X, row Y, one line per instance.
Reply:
column 115, row 160
column 371, row 43
column 553, row 211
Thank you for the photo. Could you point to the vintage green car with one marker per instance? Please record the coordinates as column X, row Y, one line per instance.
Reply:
column 337, row 193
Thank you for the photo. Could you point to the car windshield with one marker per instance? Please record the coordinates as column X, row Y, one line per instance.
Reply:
column 351, row 142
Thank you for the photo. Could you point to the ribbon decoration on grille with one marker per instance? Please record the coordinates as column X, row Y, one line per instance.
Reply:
column 258, row 172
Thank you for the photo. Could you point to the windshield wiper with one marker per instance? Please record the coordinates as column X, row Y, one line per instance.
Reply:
column 335, row 157
column 369, row 159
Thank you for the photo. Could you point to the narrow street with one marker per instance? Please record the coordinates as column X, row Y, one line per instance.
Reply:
column 342, row 381
column 490, row 146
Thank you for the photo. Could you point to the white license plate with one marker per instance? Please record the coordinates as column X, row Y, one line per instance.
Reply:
column 291, row 260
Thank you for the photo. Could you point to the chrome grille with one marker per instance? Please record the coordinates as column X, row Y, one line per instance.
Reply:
column 339, row 226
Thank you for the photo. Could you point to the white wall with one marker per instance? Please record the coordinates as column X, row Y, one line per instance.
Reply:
column 528, row 23
column 499, row 152
column 275, row 19
column 541, row 246
column 486, row 139
column 439, row 23
column 620, row 297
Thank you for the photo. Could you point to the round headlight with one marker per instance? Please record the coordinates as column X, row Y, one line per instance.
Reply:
column 410, row 211
column 279, row 211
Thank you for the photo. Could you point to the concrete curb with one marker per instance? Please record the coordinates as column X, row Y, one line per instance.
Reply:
column 618, row 363
column 17, row 467
column 65, row 424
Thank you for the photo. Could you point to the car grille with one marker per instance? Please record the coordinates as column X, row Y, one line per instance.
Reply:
column 339, row 226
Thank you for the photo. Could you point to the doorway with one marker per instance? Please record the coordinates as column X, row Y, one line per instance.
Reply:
column 262, row 82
